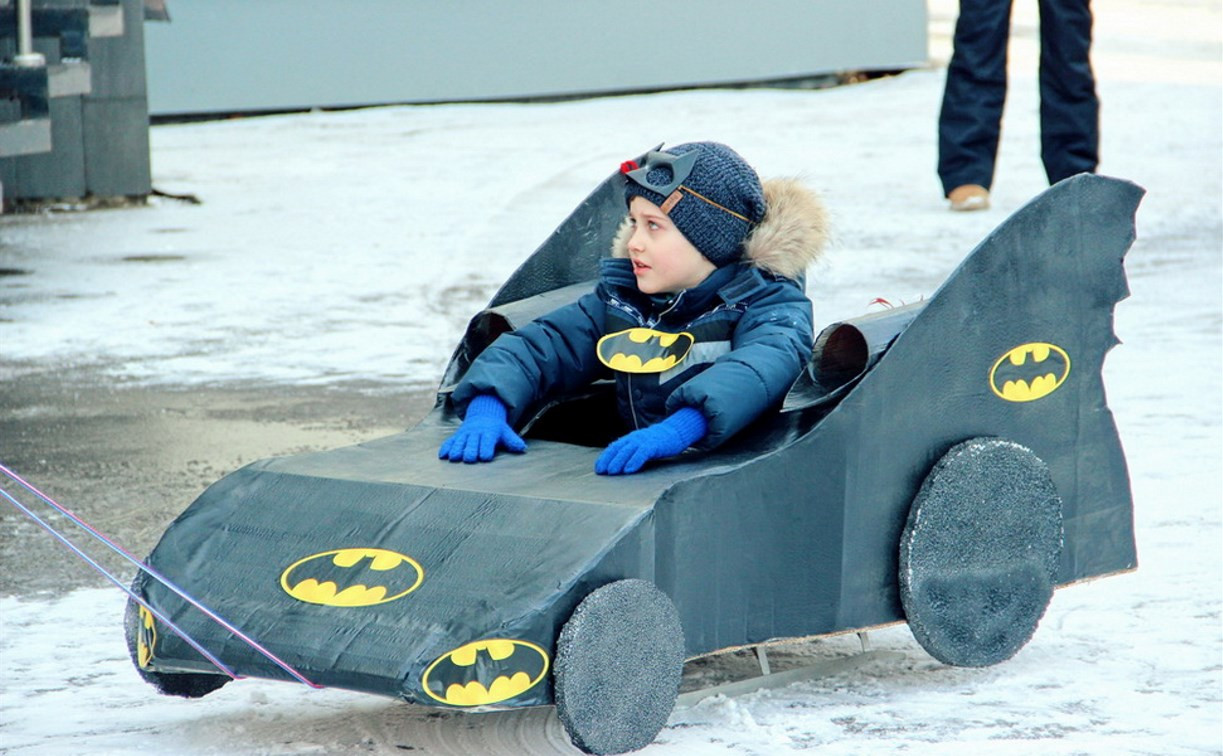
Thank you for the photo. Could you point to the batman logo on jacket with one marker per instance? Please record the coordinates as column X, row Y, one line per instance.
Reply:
column 485, row 672
column 352, row 577
column 1029, row 372
column 643, row 350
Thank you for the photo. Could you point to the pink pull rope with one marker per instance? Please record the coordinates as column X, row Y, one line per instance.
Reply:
column 152, row 573
column 181, row 633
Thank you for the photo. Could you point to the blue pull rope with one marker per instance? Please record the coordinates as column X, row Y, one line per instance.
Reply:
column 148, row 570
column 190, row 641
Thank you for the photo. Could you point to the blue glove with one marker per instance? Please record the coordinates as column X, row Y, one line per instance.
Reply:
column 628, row 453
column 483, row 430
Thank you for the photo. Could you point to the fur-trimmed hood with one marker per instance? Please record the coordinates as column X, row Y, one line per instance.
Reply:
column 791, row 236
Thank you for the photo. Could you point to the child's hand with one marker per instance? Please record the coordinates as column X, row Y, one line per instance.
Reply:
column 628, row 454
column 483, row 430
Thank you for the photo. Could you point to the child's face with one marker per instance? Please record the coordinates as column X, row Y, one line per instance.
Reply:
column 664, row 261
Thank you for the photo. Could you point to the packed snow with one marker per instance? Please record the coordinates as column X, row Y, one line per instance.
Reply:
column 354, row 246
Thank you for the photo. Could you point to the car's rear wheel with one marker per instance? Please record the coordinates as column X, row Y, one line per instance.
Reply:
column 980, row 552
column 140, row 631
column 619, row 659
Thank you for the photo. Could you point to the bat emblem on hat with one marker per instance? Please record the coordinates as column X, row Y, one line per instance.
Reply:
column 352, row 577
column 1029, row 372
column 643, row 350
column 485, row 672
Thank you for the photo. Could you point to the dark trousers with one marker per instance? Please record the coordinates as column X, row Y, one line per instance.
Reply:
column 971, row 116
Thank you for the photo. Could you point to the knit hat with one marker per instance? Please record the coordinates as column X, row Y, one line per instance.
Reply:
column 707, row 190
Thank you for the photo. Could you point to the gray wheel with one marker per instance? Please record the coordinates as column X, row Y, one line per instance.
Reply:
column 618, row 664
column 979, row 555
column 140, row 631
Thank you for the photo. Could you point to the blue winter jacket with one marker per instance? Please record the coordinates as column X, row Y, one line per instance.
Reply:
column 750, row 322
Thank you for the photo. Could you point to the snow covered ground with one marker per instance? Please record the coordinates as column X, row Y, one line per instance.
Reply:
column 353, row 246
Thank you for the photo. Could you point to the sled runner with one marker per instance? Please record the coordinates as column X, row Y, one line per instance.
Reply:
column 948, row 463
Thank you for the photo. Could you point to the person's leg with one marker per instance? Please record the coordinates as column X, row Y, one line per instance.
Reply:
column 1069, row 109
column 971, row 115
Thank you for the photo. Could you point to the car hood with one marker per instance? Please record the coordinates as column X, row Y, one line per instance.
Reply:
column 361, row 566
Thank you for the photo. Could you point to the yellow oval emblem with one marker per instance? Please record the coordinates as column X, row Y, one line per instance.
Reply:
column 146, row 638
column 485, row 672
column 1029, row 372
column 643, row 350
column 352, row 577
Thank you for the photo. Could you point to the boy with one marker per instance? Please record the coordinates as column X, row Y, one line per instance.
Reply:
column 699, row 314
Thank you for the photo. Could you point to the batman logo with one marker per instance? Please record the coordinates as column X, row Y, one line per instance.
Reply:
column 485, row 672
column 643, row 350
column 352, row 577
column 1029, row 372
column 146, row 638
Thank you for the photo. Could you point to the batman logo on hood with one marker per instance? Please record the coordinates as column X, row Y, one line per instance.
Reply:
column 643, row 350
column 352, row 577
column 485, row 672
column 1029, row 372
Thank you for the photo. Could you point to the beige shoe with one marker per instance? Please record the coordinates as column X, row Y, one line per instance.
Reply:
column 969, row 197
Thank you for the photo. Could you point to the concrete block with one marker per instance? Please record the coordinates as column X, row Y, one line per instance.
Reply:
column 49, row 47
column 10, row 110
column 68, row 79
column 60, row 173
column 106, row 21
column 27, row 87
column 118, row 62
column 116, row 138
column 25, row 137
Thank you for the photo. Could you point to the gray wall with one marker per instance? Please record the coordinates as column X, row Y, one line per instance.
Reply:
column 237, row 55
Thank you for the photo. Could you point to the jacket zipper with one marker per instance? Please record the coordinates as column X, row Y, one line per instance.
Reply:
column 632, row 408
column 674, row 303
column 653, row 321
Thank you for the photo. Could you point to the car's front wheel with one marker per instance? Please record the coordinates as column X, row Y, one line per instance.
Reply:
column 980, row 552
column 140, row 631
column 619, row 659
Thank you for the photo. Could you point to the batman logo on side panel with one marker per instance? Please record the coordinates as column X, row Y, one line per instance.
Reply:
column 643, row 350
column 485, row 672
column 146, row 638
column 352, row 577
column 1029, row 372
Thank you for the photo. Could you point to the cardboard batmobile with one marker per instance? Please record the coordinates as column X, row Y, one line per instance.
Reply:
column 947, row 463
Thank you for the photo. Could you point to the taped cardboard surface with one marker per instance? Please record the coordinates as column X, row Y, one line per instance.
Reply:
column 429, row 575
